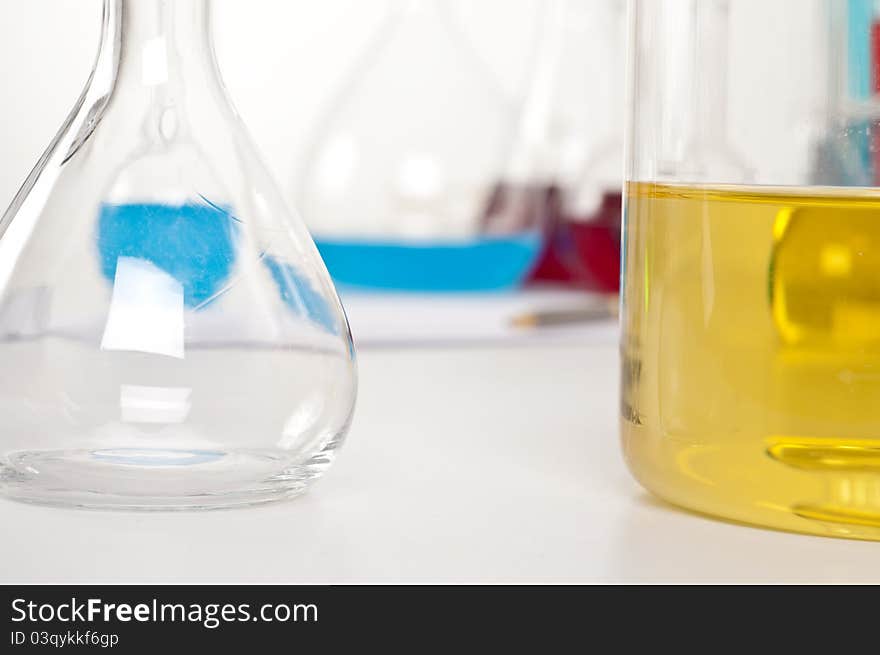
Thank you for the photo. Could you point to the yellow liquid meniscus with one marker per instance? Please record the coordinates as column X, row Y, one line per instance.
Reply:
column 751, row 353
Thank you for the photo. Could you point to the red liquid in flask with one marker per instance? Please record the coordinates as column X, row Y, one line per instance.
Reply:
column 584, row 251
column 579, row 251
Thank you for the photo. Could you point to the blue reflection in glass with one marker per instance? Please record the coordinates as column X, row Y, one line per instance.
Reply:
column 194, row 243
column 300, row 296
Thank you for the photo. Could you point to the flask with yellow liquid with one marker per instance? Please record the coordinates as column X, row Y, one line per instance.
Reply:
column 751, row 293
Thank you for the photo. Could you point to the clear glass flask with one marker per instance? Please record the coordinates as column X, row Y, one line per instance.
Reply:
column 404, row 166
column 751, row 323
column 170, row 336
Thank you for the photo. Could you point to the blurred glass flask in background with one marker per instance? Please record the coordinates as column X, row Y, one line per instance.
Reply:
column 170, row 335
column 566, row 166
column 400, row 174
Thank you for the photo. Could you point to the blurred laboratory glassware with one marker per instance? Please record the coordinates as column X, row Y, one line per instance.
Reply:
column 849, row 152
column 402, row 169
column 171, row 336
column 566, row 165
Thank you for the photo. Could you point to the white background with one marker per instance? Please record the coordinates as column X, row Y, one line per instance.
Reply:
column 282, row 61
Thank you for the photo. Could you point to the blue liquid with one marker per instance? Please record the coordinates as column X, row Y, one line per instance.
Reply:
column 482, row 264
column 196, row 245
column 193, row 243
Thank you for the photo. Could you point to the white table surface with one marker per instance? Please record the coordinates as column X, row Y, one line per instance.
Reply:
column 469, row 465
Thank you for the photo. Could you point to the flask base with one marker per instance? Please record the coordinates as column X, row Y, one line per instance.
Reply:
column 828, row 491
column 157, row 479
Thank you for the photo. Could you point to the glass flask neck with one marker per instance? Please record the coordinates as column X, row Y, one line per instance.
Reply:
column 603, row 168
column 533, row 158
column 426, row 7
column 693, row 93
column 710, row 61
column 155, row 42
column 617, row 60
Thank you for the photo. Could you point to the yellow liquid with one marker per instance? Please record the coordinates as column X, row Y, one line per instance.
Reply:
column 751, row 353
